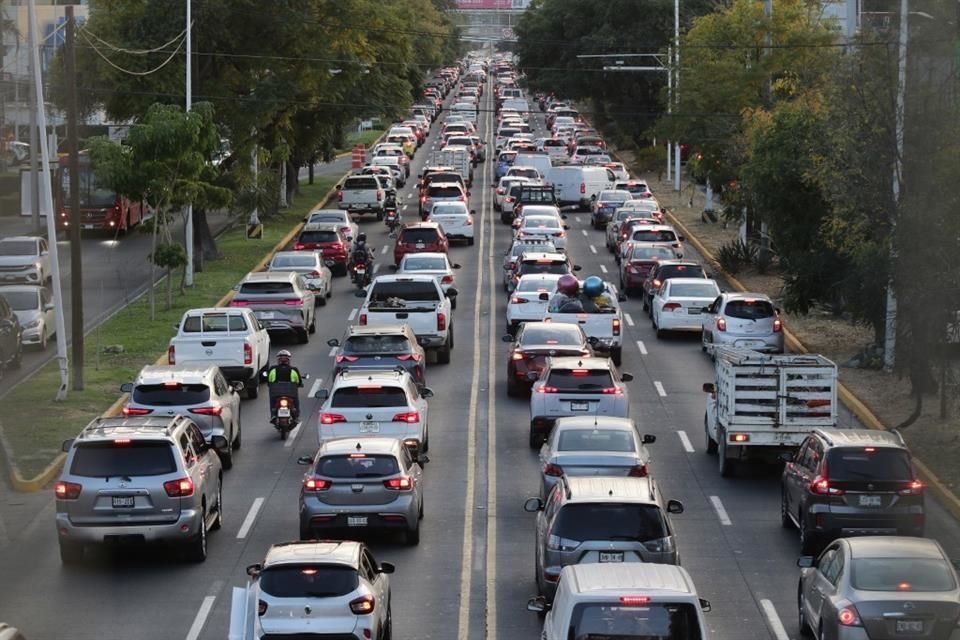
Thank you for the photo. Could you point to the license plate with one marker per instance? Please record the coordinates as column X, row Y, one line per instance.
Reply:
column 266, row 315
column 122, row 502
column 693, row 312
column 420, row 245
column 356, row 521
column 579, row 405
column 369, row 427
column 870, row 501
column 611, row 556
column 284, row 412
column 909, row 626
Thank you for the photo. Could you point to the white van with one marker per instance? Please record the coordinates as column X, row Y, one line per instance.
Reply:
column 519, row 105
column 540, row 161
column 579, row 185
column 465, row 109
column 624, row 600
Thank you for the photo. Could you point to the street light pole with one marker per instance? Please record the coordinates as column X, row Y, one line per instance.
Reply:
column 188, row 225
column 676, row 87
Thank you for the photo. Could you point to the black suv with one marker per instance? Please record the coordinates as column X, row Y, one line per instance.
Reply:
column 527, row 194
column 664, row 270
column 848, row 482
column 11, row 348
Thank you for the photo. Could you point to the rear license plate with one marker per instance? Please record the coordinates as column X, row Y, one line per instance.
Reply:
column 265, row 315
column 611, row 556
column 283, row 413
column 356, row 521
column 693, row 312
column 579, row 405
column 369, row 427
column 909, row 626
column 420, row 245
column 122, row 502
column 870, row 501
column 88, row 226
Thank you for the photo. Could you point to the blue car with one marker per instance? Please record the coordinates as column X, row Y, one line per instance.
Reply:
column 606, row 205
column 504, row 162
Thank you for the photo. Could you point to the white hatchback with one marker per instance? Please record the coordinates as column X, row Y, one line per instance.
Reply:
column 455, row 219
column 544, row 226
column 678, row 304
column 526, row 303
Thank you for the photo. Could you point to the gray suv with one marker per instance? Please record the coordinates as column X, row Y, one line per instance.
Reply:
column 136, row 480
column 588, row 519
column 849, row 482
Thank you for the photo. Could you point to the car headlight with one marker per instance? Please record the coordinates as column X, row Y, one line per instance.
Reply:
column 33, row 324
column 660, row 545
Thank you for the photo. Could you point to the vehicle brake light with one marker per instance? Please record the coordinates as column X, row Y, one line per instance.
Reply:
column 583, row 187
column 777, row 325
column 172, row 354
column 518, row 300
column 616, row 326
column 312, row 484
column 135, row 411
column 363, row 605
column 518, row 355
column 441, row 322
column 634, row 600
column 612, row 391
column 299, row 246
column 446, row 279
column 821, row 487
column 638, row 471
column 235, row 303
column 379, row 195
column 403, row 483
column 545, row 389
column 340, row 196
column 247, row 354
column 67, row 490
column 415, row 357
column 331, row 418
column 363, row 319
column 913, row 488
column 347, row 359
column 410, row 417
column 501, row 191
column 739, row 437
column 553, row 470
column 848, row 616
column 671, row 306
column 721, row 324
column 214, row 410
column 181, row 488
column 293, row 302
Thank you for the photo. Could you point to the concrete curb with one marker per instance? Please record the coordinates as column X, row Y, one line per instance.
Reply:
column 857, row 407
column 52, row 470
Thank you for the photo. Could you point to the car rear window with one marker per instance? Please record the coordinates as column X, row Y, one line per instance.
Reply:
column 646, row 253
column 508, row 132
column 357, row 465
column 606, row 521
column 368, row 396
column 530, row 285
column 595, row 440
column 361, row 183
column 554, row 143
column 303, row 260
column 171, row 395
column 448, row 209
column 410, row 291
column 555, row 267
column 416, row 262
column 885, row 464
column 689, row 290
column 318, row 236
column 444, row 177
column 129, row 458
column 582, row 380
column 327, row 217
column 507, row 157
column 413, row 236
column 901, row 574
column 651, row 621
column 266, row 287
column 376, row 344
column 559, row 335
column 668, row 271
column 213, row 322
column 749, row 309
column 653, row 235
column 308, row 581
column 444, row 192
column 540, row 222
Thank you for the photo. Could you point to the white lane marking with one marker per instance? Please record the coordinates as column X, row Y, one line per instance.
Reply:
column 251, row 516
column 721, row 512
column 492, row 473
column 376, row 267
column 593, row 249
column 201, row 618
column 315, row 387
column 353, row 314
column 292, row 436
column 405, row 207
column 384, row 250
column 333, row 352
column 775, row 624
column 603, row 268
column 629, row 319
column 643, row 349
column 584, row 232
column 660, row 390
column 685, row 441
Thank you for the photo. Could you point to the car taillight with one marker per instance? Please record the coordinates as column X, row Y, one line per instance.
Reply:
column 676, row 245
column 518, row 300
column 671, row 306
column 848, row 616
column 612, row 391
column 441, row 322
column 446, row 279
column 638, row 471
column 583, row 187
column 405, row 357
column 616, row 326
column 553, row 470
column 721, row 324
column 821, row 487
column 311, row 484
column 135, row 411
column 501, row 191
column 509, row 199
column 331, row 418
column 67, row 490
column 913, row 488
column 299, row 246
column 236, row 303
column 247, row 354
column 172, row 354
column 347, row 359
column 181, row 488
column 545, row 389
column 777, row 325
column 363, row 319
column 340, row 196
column 403, row 483
column 293, row 302
column 379, row 195
column 214, row 410
column 518, row 355
column 363, row 605
column 410, row 417
column 344, row 230
column 469, row 222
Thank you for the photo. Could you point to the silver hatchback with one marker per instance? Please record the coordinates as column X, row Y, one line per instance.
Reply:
column 362, row 484
column 745, row 320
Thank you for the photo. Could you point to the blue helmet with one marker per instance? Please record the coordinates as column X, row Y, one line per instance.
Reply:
column 593, row 286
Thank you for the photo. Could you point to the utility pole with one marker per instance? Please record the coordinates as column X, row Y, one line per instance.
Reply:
column 188, row 225
column 34, row 142
column 47, row 188
column 76, row 261
column 676, row 88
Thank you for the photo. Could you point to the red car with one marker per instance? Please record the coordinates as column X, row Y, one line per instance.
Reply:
column 534, row 343
column 420, row 237
column 326, row 239
column 638, row 263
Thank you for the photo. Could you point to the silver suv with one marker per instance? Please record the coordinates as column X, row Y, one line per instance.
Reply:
column 196, row 391
column 745, row 320
column 281, row 300
column 134, row 480
column 590, row 519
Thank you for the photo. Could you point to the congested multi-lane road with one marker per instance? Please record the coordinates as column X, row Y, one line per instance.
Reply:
column 473, row 570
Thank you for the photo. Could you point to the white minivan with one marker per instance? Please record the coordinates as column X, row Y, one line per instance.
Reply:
column 579, row 185
column 541, row 161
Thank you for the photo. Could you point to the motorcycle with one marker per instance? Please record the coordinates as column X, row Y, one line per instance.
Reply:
column 392, row 220
column 360, row 274
column 284, row 415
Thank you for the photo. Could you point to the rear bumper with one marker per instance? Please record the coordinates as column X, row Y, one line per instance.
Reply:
column 180, row 530
column 431, row 341
column 908, row 522
column 238, row 373
column 318, row 516
column 679, row 322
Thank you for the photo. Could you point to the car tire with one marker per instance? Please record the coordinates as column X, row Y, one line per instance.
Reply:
column 71, row 553
column 226, row 458
column 43, row 339
column 514, row 389
column 616, row 354
column 420, row 509
column 388, row 625
column 711, row 444
column 252, row 387
column 470, row 242
column 306, row 534
column 340, row 270
column 17, row 359
column 646, row 306
column 196, row 548
column 453, row 303
column 218, row 523
column 303, row 336
column 536, row 440
column 320, row 301
column 283, row 434
column 801, row 618
column 785, row 520
column 413, row 536
column 725, row 465
column 809, row 543
column 313, row 324
column 443, row 354
column 425, row 446
column 238, row 435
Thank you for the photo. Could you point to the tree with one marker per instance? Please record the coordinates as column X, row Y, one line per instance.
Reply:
column 165, row 163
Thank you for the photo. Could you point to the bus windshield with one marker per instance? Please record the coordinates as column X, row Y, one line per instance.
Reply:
column 91, row 194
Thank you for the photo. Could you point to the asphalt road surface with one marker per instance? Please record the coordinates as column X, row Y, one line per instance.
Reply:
column 473, row 571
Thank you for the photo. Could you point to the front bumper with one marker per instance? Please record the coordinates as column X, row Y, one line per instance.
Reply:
column 173, row 532
column 30, row 276
column 33, row 336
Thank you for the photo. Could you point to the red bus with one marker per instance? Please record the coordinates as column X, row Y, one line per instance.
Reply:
column 101, row 209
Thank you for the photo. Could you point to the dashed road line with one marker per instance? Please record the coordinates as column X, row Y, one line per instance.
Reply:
column 251, row 516
column 776, row 626
column 384, row 250
column 376, row 267
column 315, row 387
column 721, row 511
column 593, row 249
column 660, row 390
column 642, row 347
column 353, row 314
column 584, row 232
column 603, row 268
column 629, row 319
column 685, row 441
column 292, row 436
column 201, row 618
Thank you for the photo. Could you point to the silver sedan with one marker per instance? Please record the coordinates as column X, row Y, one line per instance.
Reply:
column 593, row 446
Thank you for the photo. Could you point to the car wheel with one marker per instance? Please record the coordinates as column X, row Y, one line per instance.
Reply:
column 443, row 354
column 17, row 356
column 43, row 339
column 306, row 534
column 646, row 305
column 197, row 547
column 514, row 388
column 724, row 464
column 238, row 435
column 252, row 387
column 226, row 457
column 313, row 324
column 470, row 242
column 320, row 301
column 711, row 443
column 616, row 355
column 453, row 303
column 340, row 270
column 413, row 536
column 303, row 336
column 218, row 523
column 420, row 510
column 535, row 440
column 801, row 617
column 425, row 446
column 388, row 625
column 329, row 290
column 808, row 541
column 71, row 553
column 785, row 520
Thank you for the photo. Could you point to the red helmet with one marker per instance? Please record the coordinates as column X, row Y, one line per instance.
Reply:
column 568, row 285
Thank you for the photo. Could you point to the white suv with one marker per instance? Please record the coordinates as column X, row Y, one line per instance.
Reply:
column 374, row 402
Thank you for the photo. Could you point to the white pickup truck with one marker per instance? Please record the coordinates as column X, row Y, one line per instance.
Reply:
column 415, row 300
column 604, row 327
column 761, row 405
column 230, row 338
column 362, row 194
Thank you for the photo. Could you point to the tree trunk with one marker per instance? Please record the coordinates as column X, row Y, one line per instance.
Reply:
column 169, row 289
column 153, row 266
column 204, row 244
column 310, row 171
column 293, row 181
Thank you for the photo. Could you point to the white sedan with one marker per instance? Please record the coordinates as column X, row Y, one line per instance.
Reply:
column 525, row 303
column 548, row 227
column 455, row 219
column 435, row 264
column 678, row 303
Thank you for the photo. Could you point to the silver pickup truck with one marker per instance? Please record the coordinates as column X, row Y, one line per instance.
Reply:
column 363, row 194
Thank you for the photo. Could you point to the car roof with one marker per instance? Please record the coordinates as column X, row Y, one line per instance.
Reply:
column 314, row 551
column 610, row 489
column 183, row 373
column 579, row 362
column 894, row 547
column 609, row 579
column 860, row 437
column 371, row 445
column 147, row 427
column 20, row 287
column 542, row 255
column 598, row 422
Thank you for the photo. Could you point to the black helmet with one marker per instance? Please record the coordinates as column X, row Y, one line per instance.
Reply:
column 361, row 237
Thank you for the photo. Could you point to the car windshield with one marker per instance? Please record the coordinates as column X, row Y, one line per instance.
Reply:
column 689, row 290
column 274, row 288
column 410, row 291
column 18, row 248
column 646, row 253
column 610, row 521
column 884, row 464
column 294, row 260
column 369, row 345
column 596, row 440
column 654, row 235
column 171, row 394
column 123, row 459
column 368, row 396
column 649, row 621
column 318, row 236
column 22, row 300
column 357, row 465
column 583, row 380
column 569, row 335
column 901, row 574
column 419, row 236
column 749, row 309
column 308, row 581
column 428, row 263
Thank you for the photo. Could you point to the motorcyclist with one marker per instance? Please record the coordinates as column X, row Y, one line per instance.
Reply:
column 283, row 379
column 594, row 296
column 566, row 299
column 361, row 254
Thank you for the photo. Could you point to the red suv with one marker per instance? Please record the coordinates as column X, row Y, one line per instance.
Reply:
column 420, row 237
column 326, row 239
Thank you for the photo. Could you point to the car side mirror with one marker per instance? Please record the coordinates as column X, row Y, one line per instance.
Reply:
column 254, row 570
column 426, row 392
column 806, row 562
column 563, row 216
column 422, row 459
column 674, row 506
column 649, row 438
column 219, row 443
column 538, row 604
column 786, row 456
column 456, row 265
column 338, row 187
column 626, row 377
column 577, row 267
column 708, row 387
column 621, row 297
column 593, row 340
column 50, row 307
column 304, row 460
column 468, row 194
column 360, row 293
column 126, row 387
column 386, row 567
column 507, row 338
column 322, row 394
column 452, row 292
column 682, row 238
column 333, row 342
column 532, row 505
column 545, row 297
column 704, row 309
column 66, row 445
column 705, row 605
